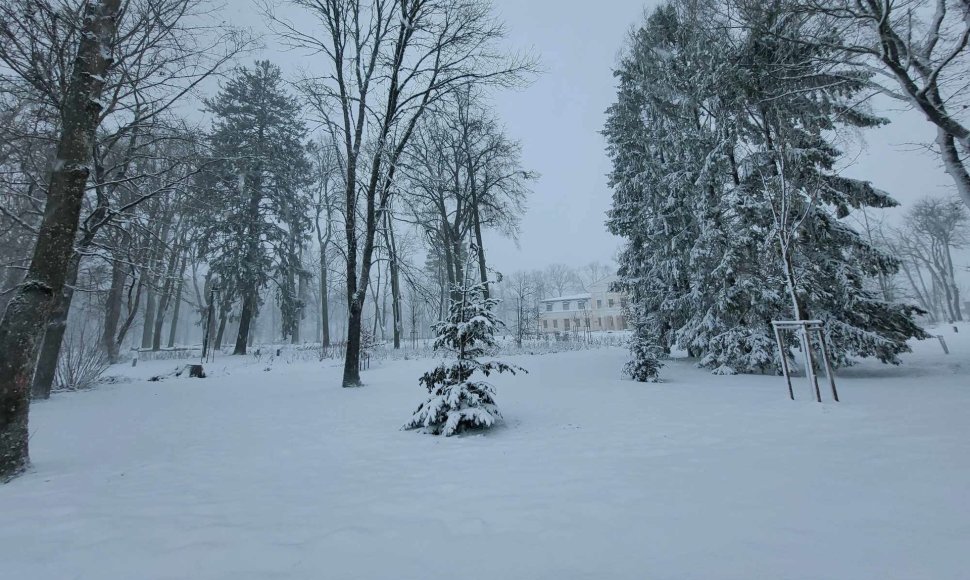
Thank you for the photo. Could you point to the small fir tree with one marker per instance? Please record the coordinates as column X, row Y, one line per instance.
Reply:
column 457, row 402
column 645, row 349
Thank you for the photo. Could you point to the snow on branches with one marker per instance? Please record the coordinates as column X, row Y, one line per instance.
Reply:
column 457, row 402
column 646, row 351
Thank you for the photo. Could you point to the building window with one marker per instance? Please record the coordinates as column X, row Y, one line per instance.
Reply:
column 611, row 302
column 609, row 322
column 548, row 306
column 565, row 324
column 555, row 324
column 599, row 323
column 599, row 303
column 620, row 323
column 623, row 302
column 545, row 324
column 581, row 305
column 565, row 304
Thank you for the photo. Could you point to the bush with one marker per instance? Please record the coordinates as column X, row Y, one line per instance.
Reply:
column 81, row 364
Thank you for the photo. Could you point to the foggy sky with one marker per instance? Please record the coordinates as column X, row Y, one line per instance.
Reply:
column 558, row 118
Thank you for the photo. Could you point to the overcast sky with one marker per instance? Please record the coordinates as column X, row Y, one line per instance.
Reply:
column 558, row 118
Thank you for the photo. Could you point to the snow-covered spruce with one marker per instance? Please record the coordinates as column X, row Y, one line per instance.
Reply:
column 645, row 349
column 727, row 191
column 458, row 403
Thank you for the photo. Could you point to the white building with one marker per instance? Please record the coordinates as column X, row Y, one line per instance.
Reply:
column 594, row 311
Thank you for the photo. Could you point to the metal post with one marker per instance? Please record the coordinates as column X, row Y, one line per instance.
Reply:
column 784, row 360
column 810, row 362
column 823, row 343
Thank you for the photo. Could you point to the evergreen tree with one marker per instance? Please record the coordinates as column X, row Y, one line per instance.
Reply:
column 726, row 191
column 458, row 402
column 791, row 168
column 645, row 351
column 256, row 193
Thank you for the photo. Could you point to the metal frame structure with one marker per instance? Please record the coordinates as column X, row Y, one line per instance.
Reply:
column 805, row 329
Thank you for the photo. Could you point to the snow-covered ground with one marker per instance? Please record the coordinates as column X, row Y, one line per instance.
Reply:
column 255, row 474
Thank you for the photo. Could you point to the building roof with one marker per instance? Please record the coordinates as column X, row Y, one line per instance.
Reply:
column 567, row 298
column 601, row 285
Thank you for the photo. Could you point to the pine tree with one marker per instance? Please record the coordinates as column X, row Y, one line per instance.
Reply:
column 725, row 187
column 256, row 194
column 459, row 403
column 791, row 168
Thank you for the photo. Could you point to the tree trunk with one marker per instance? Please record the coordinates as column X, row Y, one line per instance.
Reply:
column 922, row 295
column 449, row 261
column 956, row 303
column 375, row 294
column 149, row 276
column 50, row 348
column 443, row 293
column 30, row 308
column 457, row 250
column 324, row 300
column 951, row 275
column 223, row 319
column 482, row 269
column 798, row 310
column 149, row 322
column 174, row 270
column 175, row 314
column 395, row 280
column 301, row 296
column 252, row 327
column 112, row 310
column 953, row 165
column 163, row 302
column 134, row 302
column 352, row 357
column 13, row 277
column 180, row 286
column 245, row 322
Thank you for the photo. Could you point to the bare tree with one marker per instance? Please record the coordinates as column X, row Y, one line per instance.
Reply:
column 522, row 294
column 934, row 228
column 495, row 181
column 388, row 61
column 27, row 313
column 161, row 57
column 98, row 70
column 326, row 213
column 916, row 51
column 561, row 278
column 875, row 230
column 592, row 273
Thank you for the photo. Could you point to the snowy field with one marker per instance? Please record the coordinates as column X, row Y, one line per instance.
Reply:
column 254, row 474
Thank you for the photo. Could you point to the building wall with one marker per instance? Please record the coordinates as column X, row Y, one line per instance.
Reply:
column 599, row 310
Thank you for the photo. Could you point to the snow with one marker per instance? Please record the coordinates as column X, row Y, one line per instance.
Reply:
column 254, row 474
